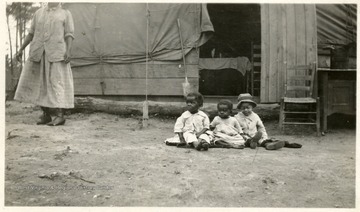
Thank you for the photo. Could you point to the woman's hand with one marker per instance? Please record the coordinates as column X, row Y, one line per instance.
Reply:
column 67, row 57
column 18, row 56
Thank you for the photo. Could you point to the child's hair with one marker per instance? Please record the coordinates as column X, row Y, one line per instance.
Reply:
column 226, row 102
column 198, row 97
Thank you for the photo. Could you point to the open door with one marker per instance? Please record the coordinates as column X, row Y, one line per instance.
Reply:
column 226, row 58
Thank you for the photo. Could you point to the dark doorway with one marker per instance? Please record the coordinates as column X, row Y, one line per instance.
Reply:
column 237, row 29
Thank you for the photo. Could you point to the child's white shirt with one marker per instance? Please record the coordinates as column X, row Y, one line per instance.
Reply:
column 231, row 121
column 189, row 122
column 251, row 124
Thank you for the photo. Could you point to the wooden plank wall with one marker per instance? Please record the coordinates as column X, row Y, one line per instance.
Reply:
column 164, row 78
column 288, row 38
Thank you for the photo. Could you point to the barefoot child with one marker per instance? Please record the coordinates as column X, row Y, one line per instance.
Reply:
column 252, row 126
column 190, row 128
column 226, row 129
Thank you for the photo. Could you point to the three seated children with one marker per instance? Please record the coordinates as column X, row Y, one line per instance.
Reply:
column 245, row 129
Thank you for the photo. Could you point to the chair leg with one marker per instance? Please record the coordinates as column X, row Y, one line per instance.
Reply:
column 318, row 116
column 282, row 114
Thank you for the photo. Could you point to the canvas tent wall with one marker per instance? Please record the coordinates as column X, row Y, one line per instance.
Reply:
column 109, row 50
column 336, row 23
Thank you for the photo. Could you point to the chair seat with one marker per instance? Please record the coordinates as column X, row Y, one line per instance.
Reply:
column 299, row 100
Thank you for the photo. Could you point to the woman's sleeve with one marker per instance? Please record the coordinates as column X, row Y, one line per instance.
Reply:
column 69, row 25
column 33, row 24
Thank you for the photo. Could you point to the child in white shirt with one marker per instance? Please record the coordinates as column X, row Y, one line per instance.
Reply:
column 226, row 129
column 192, row 125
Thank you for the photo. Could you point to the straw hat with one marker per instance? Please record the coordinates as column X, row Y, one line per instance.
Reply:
column 245, row 97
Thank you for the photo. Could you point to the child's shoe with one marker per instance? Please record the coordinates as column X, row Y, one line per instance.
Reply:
column 254, row 140
column 197, row 145
column 205, row 145
column 292, row 145
column 275, row 145
column 182, row 144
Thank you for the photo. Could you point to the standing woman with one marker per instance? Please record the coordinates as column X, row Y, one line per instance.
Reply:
column 46, row 79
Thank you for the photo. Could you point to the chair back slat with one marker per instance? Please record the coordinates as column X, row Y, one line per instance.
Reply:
column 298, row 88
column 299, row 81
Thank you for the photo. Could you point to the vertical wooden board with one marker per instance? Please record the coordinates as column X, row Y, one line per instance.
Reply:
column 301, row 53
column 311, row 33
column 279, row 59
column 284, row 51
column 290, row 35
column 312, row 58
column 310, row 19
column 300, row 34
column 265, row 39
column 291, row 31
column 273, row 52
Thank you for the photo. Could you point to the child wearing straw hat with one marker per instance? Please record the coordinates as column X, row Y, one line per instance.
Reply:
column 252, row 126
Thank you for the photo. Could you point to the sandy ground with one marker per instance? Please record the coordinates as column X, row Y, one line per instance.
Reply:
column 99, row 159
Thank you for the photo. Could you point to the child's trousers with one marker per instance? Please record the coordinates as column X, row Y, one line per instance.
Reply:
column 190, row 137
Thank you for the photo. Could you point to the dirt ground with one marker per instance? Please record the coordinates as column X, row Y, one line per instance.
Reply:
column 99, row 159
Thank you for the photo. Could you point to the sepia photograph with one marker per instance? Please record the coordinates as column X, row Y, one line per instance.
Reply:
column 180, row 105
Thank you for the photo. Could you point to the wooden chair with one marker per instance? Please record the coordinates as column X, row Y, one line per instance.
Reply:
column 300, row 105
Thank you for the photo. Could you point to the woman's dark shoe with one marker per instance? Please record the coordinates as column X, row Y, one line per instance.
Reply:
column 44, row 119
column 57, row 121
